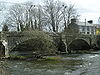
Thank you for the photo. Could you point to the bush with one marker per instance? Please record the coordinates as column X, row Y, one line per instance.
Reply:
column 39, row 43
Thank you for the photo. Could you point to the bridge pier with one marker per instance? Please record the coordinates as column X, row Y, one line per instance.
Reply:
column 6, row 49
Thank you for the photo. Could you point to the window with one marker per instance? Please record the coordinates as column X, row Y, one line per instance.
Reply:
column 92, row 28
column 92, row 32
column 83, row 28
column 88, row 28
column 88, row 32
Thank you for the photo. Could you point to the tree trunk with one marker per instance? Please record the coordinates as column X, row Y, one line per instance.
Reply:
column 35, row 24
column 53, row 22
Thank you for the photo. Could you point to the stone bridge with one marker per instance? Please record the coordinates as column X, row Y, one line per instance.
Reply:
column 12, row 39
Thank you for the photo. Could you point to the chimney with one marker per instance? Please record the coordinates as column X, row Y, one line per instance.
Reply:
column 85, row 22
column 73, row 20
column 90, row 21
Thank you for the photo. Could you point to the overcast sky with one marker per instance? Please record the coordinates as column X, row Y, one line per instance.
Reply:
column 89, row 9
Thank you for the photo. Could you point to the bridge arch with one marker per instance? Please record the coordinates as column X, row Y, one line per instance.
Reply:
column 34, row 46
column 78, row 44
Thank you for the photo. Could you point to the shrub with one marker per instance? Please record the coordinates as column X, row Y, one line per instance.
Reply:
column 39, row 43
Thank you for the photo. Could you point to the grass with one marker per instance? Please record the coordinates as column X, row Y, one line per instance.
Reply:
column 57, row 60
column 53, row 58
column 18, row 57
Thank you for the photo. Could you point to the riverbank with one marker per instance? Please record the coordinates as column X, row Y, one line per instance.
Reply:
column 68, row 64
column 49, row 66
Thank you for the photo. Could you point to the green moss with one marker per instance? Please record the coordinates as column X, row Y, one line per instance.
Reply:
column 18, row 57
column 56, row 62
column 53, row 58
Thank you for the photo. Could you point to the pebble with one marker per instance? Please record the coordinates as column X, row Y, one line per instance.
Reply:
column 15, row 66
column 26, row 69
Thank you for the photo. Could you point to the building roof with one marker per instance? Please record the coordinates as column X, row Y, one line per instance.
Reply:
column 86, row 24
column 97, row 25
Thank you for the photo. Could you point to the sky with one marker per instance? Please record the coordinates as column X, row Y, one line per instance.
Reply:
column 87, row 9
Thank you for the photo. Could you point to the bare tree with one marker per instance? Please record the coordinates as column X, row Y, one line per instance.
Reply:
column 38, row 17
column 69, row 12
column 25, row 17
column 2, row 6
column 16, row 17
column 58, row 14
column 53, row 14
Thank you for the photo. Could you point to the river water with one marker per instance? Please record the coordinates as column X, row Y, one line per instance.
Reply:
column 73, row 64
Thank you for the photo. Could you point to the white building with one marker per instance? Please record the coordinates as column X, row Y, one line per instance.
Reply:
column 87, row 28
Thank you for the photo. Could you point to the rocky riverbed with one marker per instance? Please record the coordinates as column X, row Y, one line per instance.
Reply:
column 74, row 64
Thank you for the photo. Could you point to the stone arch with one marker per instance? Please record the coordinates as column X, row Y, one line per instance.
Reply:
column 23, row 48
column 78, row 44
column 34, row 46
column 23, row 45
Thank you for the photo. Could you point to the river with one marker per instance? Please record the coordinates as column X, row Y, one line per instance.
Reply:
column 73, row 64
